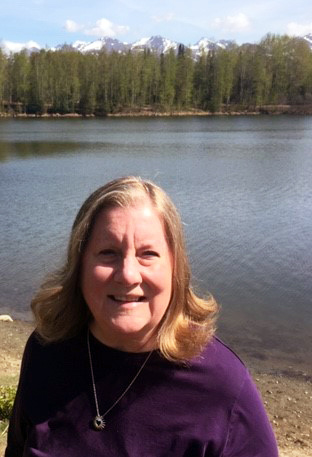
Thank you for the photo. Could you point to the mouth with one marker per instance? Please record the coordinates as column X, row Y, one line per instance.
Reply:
column 127, row 298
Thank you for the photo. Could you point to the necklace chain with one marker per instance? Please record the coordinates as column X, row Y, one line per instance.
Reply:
column 99, row 422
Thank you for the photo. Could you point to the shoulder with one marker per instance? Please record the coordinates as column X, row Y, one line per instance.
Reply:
column 216, row 349
column 43, row 359
column 222, row 366
column 249, row 431
column 36, row 344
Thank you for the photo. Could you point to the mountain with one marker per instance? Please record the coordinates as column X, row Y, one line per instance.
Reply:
column 155, row 43
column 205, row 45
column 308, row 38
column 11, row 46
column 110, row 44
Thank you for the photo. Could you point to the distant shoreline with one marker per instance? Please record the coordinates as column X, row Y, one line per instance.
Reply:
column 304, row 110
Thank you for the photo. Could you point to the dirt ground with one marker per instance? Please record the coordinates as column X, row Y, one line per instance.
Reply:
column 288, row 399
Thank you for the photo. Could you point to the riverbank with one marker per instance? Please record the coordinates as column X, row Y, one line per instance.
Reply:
column 149, row 112
column 288, row 400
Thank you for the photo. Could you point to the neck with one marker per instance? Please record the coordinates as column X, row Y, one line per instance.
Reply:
column 134, row 343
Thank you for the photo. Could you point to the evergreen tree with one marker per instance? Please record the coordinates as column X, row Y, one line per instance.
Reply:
column 103, row 103
column 168, row 69
column 184, row 78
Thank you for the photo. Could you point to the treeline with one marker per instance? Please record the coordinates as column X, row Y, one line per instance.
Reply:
column 278, row 70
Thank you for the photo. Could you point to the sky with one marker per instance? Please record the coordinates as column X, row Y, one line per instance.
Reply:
column 48, row 23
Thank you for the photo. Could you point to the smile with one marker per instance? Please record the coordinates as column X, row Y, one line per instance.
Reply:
column 127, row 298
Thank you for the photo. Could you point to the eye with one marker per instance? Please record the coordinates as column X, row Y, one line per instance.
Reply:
column 150, row 253
column 108, row 254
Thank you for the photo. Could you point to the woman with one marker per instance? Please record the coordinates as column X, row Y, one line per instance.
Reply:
column 124, row 361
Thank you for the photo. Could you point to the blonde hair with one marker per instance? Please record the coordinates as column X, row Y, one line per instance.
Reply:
column 59, row 307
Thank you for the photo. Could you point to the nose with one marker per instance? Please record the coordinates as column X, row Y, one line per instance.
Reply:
column 128, row 271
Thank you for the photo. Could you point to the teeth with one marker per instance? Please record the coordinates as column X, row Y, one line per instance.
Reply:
column 126, row 299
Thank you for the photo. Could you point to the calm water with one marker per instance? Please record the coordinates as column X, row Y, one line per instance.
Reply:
column 242, row 184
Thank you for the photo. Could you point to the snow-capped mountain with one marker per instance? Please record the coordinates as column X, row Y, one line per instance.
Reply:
column 155, row 43
column 110, row 44
column 308, row 38
column 11, row 46
column 205, row 45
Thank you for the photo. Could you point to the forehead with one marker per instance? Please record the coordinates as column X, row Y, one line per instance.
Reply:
column 140, row 220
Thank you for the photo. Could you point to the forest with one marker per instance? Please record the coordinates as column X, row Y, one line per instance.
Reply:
column 275, row 71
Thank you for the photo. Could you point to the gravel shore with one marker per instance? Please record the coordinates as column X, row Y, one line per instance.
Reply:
column 288, row 399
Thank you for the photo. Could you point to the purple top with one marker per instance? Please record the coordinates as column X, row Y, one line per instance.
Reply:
column 209, row 407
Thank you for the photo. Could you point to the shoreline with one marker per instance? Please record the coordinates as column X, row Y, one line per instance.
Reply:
column 287, row 400
column 270, row 110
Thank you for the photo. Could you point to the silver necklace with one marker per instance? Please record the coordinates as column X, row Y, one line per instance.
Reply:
column 99, row 421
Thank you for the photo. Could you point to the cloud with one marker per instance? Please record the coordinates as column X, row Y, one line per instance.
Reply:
column 163, row 17
column 293, row 28
column 235, row 23
column 12, row 46
column 72, row 26
column 102, row 27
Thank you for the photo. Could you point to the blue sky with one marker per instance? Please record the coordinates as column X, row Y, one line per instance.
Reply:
column 52, row 22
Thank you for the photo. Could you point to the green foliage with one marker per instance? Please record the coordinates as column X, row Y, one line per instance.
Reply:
column 278, row 70
column 7, row 396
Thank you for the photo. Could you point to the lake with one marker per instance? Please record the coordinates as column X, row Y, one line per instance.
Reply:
column 242, row 184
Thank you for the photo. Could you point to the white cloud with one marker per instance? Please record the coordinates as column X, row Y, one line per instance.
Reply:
column 293, row 28
column 232, row 23
column 102, row 27
column 72, row 26
column 164, row 17
column 12, row 46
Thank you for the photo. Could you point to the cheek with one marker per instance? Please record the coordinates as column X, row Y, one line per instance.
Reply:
column 162, row 279
column 94, row 277
column 101, row 274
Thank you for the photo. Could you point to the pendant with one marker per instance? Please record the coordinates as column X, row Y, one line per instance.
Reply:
column 99, row 423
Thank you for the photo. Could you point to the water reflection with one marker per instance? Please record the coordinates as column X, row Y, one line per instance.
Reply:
column 24, row 150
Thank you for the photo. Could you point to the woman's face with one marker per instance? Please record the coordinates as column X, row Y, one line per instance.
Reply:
column 126, row 276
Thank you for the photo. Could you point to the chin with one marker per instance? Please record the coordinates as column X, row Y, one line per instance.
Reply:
column 127, row 329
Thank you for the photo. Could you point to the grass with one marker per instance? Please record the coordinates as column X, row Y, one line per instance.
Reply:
column 7, row 395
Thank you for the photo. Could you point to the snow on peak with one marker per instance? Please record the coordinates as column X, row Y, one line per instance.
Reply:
column 11, row 46
column 204, row 45
column 141, row 42
column 308, row 39
column 155, row 43
column 79, row 45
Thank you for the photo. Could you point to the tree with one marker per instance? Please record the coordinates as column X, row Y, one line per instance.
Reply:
column 19, row 77
column 38, row 78
column 63, row 81
column 3, row 64
column 88, row 84
column 103, row 104
column 200, row 82
column 168, row 68
column 184, row 78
